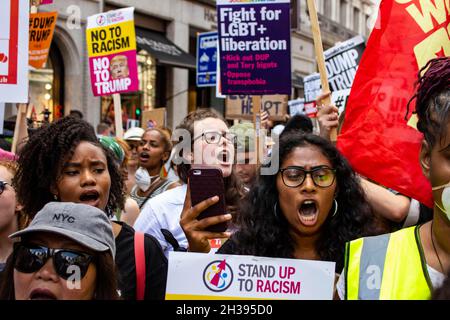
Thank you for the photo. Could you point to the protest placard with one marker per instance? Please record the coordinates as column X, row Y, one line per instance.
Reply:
column 312, row 87
column 241, row 107
column 111, row 43
column 194, row 276
column 254, row 44
column 206, row 59
column 296, row 106
column 155, row 117
column 377, row 136
column 342, row 61
column 42, row 26
column 14, row 24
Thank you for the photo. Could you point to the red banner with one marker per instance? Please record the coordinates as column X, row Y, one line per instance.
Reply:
column 377, row 139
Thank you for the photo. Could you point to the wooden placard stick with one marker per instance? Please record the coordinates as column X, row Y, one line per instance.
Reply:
column 256, row 103
column 320, row 57
column 118, row 115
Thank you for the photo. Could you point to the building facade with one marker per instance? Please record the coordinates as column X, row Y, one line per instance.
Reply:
column 168, row 83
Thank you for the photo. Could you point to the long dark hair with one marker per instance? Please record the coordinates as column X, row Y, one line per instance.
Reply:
column 264, row 231
column 105, row 285
column 42, row 157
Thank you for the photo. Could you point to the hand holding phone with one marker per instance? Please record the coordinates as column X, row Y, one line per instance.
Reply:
column 206, row 183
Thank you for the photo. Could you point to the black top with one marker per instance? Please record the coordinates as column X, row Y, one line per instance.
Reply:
column 155, row 263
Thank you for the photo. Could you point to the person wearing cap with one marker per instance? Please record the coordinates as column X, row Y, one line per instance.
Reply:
column 66, row 253
column 65, row 162
column 133, row 138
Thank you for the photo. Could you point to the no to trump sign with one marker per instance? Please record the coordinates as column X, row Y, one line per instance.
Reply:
column 254, row 45
column 111, row 42
column 195, row 276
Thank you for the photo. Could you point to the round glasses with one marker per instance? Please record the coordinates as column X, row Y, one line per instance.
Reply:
column 215, row 137
column 294, row 176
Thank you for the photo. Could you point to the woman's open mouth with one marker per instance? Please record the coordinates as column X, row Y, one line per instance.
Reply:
column 91, row 197
column 308, row 212
column 42, row 294
column 224, row 157
column 144, row 156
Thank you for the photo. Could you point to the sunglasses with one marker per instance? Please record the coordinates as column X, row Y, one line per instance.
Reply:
column 30, row 258
column 3, row 186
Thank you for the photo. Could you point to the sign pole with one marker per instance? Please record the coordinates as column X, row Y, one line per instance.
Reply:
column 118, row 115
column 256, row 103
column 320, row 57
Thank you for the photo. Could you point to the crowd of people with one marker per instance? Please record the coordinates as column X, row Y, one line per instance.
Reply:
column 88, row 216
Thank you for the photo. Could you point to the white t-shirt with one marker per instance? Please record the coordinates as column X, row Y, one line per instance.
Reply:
column 436, row 278
column 163, row 212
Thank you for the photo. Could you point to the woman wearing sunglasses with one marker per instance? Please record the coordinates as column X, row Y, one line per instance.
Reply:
column 67, row 253
column 308, row 210
column 64, row 161
column 11, row 216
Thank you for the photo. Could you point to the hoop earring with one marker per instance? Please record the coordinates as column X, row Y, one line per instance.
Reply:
column 335, row 208
column 275, row 210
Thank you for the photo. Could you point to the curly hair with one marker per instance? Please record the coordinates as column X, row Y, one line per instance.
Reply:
column 264, row 231
column 42, row 158
column 433, row 99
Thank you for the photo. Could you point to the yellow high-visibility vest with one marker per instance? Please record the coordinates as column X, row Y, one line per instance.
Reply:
column 387, row 267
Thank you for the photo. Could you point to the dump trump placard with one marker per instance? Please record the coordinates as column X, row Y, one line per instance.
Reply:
column 14, row 50
column 111, row 42
column 42, row 26
column 254, row 45
column 213, row 276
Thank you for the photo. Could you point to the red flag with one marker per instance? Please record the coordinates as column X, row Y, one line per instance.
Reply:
column 376, row 138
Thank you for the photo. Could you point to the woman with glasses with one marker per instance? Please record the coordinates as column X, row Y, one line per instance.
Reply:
column 210, row 144
column 66, row 253
column 11, row 216
column 308, row 210
column 64, row 161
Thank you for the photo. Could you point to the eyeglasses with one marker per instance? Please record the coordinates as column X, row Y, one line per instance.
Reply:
column 294, row 176
column 3, row 186
column 214, row 137
column 31, row 258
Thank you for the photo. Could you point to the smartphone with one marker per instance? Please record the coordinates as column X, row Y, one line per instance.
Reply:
column 206, row 183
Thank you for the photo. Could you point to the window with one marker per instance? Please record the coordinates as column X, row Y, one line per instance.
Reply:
column 356, row 19
column 343, row 12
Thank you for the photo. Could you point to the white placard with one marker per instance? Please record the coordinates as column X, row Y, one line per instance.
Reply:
column 14, row 25
column 193, row 276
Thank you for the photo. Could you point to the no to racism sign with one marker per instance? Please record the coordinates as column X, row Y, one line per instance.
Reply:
column 194, row 276
column 254, row 46
column 14, row 22
column 42, row 26
column 111, row 42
